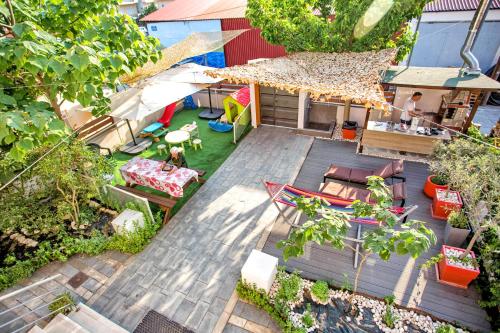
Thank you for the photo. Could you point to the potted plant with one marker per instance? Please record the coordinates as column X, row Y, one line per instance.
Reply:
column 456, row 269
column 457, row 229
column 445, row 202
column 434, row 182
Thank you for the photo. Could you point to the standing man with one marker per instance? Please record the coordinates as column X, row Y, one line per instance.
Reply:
column 409, row 109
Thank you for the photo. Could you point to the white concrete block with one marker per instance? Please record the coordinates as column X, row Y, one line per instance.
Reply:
column 127, row 220
column 260, row 269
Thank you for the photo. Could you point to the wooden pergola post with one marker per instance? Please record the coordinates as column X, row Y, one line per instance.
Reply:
column 472, row 113
column 365, row 126
column 347, row 110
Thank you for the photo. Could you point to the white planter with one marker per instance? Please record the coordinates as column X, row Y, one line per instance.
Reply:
column 127, row 221
column 455, row 236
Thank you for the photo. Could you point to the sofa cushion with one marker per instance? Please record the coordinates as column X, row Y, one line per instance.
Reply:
column 359, row 175
column 398, row 191
column 338, row 172
column 346, row 192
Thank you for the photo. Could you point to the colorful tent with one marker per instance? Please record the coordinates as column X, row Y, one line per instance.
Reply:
column 235, row 103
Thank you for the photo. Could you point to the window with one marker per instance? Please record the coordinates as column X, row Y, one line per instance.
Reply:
column 154, row 28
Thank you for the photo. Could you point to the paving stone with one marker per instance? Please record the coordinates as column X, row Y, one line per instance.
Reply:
column 149, row 278
column 211, row 290
column 171, row 304
column 208, row 322
column 131, row 284
column 91, row 284
column 217, row 306
column 196, row 291
column 68, row 270
column 252, row 313
column 107, row 270
column 183, row 312
column 234, row 329
column 134, row 297
column 197, row 315
column 186, row 282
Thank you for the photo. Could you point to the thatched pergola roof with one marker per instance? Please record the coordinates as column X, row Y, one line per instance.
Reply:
column 350, row 76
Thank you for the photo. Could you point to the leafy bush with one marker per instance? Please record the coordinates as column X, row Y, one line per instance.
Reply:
column 259, row 298
column 288, row 291
column 134, row 242
column 48, row 216
column 446, row 329
column 389, row 318
column 307, row 318
column 458, row 220
column 63, row 303
column 320, row 290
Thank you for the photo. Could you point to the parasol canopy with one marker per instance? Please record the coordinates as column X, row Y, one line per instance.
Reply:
column 153, row 94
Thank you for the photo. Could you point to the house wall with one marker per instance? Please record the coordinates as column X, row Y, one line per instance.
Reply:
column 172, row 32
column 129, row 8
column 248, row 46
column 441, row 36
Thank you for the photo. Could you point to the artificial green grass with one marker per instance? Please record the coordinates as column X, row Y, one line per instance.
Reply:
column 216, row 149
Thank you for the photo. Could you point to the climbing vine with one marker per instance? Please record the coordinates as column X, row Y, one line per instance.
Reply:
column 337, row 25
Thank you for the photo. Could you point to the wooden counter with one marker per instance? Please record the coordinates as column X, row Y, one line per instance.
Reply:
column 376, row 135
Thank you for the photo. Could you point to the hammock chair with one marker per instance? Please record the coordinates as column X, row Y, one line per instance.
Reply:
column 285, row 194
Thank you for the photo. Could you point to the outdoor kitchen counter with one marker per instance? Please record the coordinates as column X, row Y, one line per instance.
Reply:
column 376, row 135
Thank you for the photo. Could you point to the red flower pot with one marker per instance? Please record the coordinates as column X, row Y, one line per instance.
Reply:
column 444, row 203
column 430, row 187
column 349, row 134
column 451, row 274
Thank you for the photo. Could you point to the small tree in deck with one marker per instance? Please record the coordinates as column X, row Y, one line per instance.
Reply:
column 327, row 225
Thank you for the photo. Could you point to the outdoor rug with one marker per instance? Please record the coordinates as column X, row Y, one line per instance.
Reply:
column 153, row 322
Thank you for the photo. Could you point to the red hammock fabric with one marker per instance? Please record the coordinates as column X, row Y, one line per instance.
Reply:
column 168, row 114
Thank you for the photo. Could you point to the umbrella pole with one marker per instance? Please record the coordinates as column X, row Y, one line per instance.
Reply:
column 131, row 132
column 210, row 100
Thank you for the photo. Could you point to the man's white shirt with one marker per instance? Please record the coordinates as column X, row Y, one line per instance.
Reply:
column 408, row 107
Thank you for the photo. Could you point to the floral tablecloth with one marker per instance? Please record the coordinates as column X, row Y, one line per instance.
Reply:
column 149, row 173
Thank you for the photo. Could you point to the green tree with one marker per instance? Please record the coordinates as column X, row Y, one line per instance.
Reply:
column 148, row 10
column 326, row 225
column 336, row 25
column 52, row 51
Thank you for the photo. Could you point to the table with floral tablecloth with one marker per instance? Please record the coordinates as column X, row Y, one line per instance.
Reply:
column 149, row 173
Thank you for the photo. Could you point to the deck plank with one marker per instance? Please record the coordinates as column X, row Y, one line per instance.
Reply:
column 399, row 275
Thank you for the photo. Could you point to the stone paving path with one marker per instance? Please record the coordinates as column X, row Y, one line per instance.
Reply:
column 189, row 271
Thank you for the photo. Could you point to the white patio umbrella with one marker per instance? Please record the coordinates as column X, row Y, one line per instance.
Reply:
column 155, row 93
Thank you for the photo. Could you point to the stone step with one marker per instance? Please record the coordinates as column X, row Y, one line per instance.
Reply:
column 93, row 321
column 37, row 329
column 63, row 324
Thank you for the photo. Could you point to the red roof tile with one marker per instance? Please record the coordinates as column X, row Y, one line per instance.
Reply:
column 456, row 5
column 192, row 10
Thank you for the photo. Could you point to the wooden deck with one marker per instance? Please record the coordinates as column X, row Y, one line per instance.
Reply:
column 399, row 276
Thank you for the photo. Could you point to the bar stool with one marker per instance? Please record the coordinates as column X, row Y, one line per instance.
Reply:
column 196, row 144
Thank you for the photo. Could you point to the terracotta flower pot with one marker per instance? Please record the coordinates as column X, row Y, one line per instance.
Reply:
column 453, row 274
column 444, row 202
column 430, row 187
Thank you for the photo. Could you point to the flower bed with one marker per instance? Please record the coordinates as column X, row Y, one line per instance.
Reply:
column 290, row 302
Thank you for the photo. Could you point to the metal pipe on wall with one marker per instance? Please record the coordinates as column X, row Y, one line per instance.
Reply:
column 466, row 51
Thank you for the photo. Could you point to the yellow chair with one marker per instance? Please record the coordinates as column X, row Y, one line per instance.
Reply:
column 197, row 144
